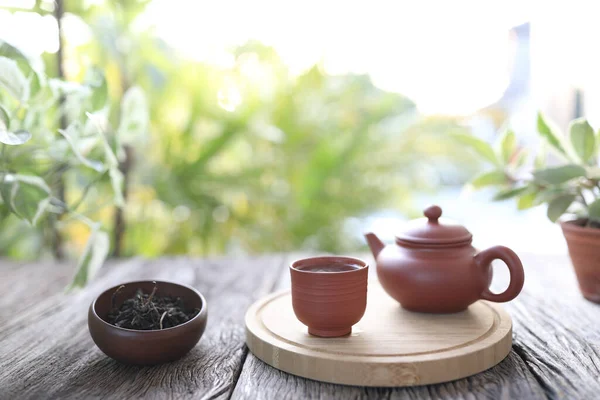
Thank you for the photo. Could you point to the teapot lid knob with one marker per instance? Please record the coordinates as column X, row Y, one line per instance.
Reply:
column 433, row 213
column 436, row 232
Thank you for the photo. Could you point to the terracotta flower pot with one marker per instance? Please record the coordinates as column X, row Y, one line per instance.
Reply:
column 584, row 249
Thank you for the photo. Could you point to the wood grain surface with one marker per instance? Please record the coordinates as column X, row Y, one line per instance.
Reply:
column 46, row 351
column 390, row 346
column 556, row 350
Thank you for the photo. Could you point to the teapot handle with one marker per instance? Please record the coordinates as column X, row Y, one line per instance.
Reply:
column 515, row 267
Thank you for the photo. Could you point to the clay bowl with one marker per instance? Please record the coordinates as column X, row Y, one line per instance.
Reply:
column 146, row 347
column 328, row 297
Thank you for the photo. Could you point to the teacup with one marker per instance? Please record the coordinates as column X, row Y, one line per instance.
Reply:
column 329, row 294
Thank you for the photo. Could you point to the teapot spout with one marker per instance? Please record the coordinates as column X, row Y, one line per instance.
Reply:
column 374, row 243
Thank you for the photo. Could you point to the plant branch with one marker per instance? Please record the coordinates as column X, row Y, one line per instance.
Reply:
column 125, row 167
column 119, row 217
column 57, row 239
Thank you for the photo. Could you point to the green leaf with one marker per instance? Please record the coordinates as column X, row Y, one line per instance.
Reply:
column 13, row 79
column 527, row 200
column 72, row 135
column 29, row 196
column 558, row 175
column 116, row 176
column 508, row 145
column 508, row 194
column 13, row 139
column 37, row 82
column 6, row 188
column 488, row 179
column 550, row 132
column 594, row 210
column 559, row 205
column 10, row 51
column 4, row 211
column 31, row 66
column 32, row 180
column 548, row 194
column 41, row 210
column 479, row 146
column 7, row 137
column 582, row 138
column 134, row 117
column 14, row 188
column 110, row 159
column 96, row 80
column 92, row 258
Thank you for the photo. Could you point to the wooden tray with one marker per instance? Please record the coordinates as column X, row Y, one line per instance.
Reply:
column 388, row 347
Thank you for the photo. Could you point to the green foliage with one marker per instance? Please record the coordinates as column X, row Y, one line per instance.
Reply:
column 510, row 193
column 558, row 175
column 134, row 117
column 508, row 145
column 27, row 196
column 13, row 138
column 281, row 172
column 246, row 157
column 479, row 146
column 571, row 188
column 594, row 210
column 582, row 139
column 559, row 205
column 253, row 158
column 489, row 178
column 13, row 80
column 551, row 134
column 38, row 157
column 527, row 199
column 92, row 257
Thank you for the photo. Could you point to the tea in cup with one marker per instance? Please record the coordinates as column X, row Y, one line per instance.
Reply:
column 329, row 294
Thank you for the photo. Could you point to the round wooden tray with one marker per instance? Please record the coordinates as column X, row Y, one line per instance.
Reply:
column 388, row 347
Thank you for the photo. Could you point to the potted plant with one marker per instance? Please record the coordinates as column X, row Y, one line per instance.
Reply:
column 568, row 182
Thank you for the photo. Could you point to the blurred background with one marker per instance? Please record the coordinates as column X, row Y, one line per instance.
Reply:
column 288, row 126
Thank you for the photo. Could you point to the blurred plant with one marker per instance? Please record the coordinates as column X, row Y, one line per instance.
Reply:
column 249, row 156
column 265, row 161
column 38, row 158
column 570, row 188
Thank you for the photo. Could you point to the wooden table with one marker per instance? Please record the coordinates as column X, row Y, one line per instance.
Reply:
column 46, row 350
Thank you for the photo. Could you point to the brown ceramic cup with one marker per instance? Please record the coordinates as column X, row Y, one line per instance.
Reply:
column 146, row 347
column 329, row 294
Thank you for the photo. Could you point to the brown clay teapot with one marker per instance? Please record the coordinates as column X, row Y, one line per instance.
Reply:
column 434, row 268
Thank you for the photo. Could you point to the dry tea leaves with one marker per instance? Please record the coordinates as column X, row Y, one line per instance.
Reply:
column 150, row 311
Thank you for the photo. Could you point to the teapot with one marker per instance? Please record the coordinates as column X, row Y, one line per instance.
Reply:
column 433, row 267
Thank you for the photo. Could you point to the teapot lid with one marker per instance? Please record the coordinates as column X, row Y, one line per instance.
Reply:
column 433, row 231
